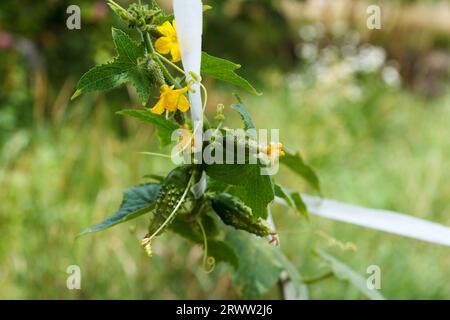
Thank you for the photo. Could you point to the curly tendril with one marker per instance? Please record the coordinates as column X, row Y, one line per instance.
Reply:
column 209, row 263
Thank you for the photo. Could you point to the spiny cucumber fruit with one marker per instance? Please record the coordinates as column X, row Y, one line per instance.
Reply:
column 235, row 213
column 155, row 74
column 172, row 189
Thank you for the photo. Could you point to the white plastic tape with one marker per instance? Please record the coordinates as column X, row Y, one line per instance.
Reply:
column 384, row 220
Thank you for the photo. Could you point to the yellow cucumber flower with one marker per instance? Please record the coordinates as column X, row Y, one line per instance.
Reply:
column 186, row 140
column 168, row 43
column 171, row 100
column 274, row 150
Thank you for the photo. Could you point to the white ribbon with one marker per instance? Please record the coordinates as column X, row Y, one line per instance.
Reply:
column 189, row 20
column 384, row 220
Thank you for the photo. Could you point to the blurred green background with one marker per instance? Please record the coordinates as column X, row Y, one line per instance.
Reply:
column 369, row 109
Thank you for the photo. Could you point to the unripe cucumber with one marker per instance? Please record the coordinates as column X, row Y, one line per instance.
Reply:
column 155, row 73
column 235, row 213
column 172, row 189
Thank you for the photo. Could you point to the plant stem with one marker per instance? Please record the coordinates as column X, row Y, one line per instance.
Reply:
column 173, row 65
column 155, row 154
column 206, row 260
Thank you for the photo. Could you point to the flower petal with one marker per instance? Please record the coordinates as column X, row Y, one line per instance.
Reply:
column 159, row 107
column 175, row 52
column 174, row 25
column 165, row 89
column 167, row 29
column 164, row 45
column 183, row 104
column 182, row 90
column 171, row 101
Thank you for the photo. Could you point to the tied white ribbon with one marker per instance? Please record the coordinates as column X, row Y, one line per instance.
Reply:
column 189, row 20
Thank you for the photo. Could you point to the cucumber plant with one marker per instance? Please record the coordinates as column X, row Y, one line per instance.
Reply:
column 221, row 206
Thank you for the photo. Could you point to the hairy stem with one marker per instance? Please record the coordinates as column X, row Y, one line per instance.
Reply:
column 170, row 63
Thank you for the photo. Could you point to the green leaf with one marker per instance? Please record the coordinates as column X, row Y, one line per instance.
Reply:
column 292, row 198
column 216, row 186
column 299, row 204
column 125, row 67
column 344, row 272
column 234, row 174
column 103, row 77
column 136, row 201
column 224, row 70
column 245, row 115
column 129, row 51
column 259, row 264
column 284, row 194
column 257, row 195
column 139, row 78
column 296, row 164
column 257, row 192
column 253, row 188
column 164, row 126
column 221, row 251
